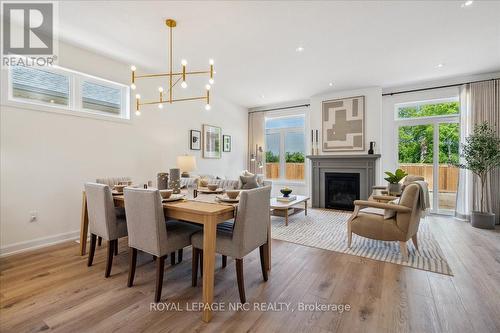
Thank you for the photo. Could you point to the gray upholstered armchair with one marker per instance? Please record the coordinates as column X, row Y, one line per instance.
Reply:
column 249, row 232
column 388, row 222
column 148, row 231
column 103, row 221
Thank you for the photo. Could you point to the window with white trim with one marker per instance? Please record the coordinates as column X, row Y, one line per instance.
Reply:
column 62, row 90
column 285, row 148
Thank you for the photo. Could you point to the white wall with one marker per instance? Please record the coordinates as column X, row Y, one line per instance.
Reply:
column 47, row 157
column 373, row 122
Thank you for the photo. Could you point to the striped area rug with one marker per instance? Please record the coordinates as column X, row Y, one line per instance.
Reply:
column 326, row 229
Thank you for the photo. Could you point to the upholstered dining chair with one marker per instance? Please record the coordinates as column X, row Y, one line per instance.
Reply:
column 120, row 211
column 388, row 221
column 248, row 233
column 103, row 221
column 149, row 232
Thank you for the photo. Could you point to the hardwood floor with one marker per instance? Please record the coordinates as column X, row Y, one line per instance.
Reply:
column 53, row 289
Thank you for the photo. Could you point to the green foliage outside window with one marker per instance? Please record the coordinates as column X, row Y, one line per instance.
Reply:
column 290, row 157
column 416, row 143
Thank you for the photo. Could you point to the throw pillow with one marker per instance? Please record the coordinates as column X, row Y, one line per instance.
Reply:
column 389, row 213
column 248, row 182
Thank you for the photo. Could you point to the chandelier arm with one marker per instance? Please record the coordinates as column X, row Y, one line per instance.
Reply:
column 168, row 74
column 175, row 100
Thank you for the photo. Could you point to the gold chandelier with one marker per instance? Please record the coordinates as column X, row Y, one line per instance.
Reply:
column 173, row 79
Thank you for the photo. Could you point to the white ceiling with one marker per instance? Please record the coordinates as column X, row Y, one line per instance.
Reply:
column 352, row 44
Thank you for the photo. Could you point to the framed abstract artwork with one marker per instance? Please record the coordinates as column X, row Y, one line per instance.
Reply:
column 343, row 124
column 226, row 143
column 194, row 140
column 212, row 141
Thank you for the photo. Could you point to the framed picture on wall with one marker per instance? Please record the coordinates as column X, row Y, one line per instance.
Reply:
column 194, row 140
column 226, row 146
column 343, row 124
column 212, row 141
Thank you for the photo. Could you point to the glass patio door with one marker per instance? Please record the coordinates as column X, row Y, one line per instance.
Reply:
column 428, row 142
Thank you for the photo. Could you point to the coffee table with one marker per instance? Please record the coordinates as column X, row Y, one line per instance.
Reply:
column 285, row 206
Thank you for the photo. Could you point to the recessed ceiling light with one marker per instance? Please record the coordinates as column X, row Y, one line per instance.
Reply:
column 262, row 96
column 467, row 3
column 330, row 84
column 299, row 49
column 440, row 65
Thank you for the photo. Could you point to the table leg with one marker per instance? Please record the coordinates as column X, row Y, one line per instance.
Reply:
column 305, row 207
column 209, row 235
column 286, row 217
column 268, row 253
column 84, row 226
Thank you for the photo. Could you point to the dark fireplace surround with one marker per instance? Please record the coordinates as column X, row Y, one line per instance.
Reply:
column 338, row 180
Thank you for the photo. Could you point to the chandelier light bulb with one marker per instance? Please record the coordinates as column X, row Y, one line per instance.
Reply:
column 211, row 61
column 184, row 84
column 132, row 86
column 133, row 68
column 160, row 89
column 184, row 62
column 160, row 106
column 137, row 113
column 207, row 87
column 211, row 81
column 207, row 107
column 138, row 96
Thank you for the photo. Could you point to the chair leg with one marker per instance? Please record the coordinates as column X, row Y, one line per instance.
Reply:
column 179, row 256
column 239, row 277
column 263, row 262
column 109, row 261
column 404, row 250
column 160, row 266
column 116, row 247
column 194, row 269
column 132, row 256
column 172, row 258
column 224, row 261
column 415, row 241
column 99, row 240
column 92, row 249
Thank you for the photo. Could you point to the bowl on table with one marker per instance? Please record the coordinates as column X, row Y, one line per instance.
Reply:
column 286, row 191
column 232, row 194
column 165, row 194
column 212, row 187
column 119, row 188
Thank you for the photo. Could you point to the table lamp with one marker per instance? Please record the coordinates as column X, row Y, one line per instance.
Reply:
column 186, row 163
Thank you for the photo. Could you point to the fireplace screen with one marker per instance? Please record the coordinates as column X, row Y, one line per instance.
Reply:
column 341, row 189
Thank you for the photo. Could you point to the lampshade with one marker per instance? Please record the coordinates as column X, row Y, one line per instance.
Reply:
column 186, row 163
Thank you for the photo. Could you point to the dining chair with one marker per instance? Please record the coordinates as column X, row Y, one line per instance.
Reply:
column 120, row 211
column 249, row 232
column 103, row 221
column 150, row 233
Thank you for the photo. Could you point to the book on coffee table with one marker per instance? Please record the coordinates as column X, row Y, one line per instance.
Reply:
column 287, row 199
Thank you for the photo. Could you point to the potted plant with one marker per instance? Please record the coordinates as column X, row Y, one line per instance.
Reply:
column 481, row 154
column 393, row 179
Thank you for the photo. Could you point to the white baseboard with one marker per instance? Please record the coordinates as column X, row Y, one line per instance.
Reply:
column 38, row 243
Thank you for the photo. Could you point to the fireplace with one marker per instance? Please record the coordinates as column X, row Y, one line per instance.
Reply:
column 341, row 189
column 363, row 166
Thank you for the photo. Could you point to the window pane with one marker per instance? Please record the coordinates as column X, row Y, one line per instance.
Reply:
column 294, row 155
column 449, row 138
column 288, row 122
column 429, row 110
column 416, row 152
column 101, row 98
column 273, row 155
column 39, row 85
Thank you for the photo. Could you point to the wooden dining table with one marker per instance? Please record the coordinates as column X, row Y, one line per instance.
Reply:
column 203, row 212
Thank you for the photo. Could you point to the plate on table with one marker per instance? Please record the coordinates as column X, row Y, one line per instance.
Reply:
column 225, row 198
column 207, row 191
column 174, row 197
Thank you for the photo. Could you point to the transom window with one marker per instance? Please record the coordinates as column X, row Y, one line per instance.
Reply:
column 59, row 89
